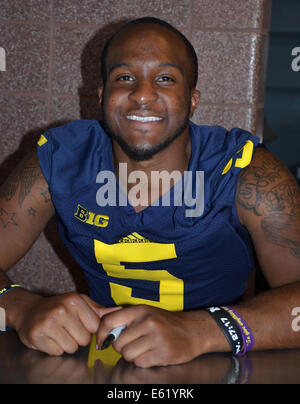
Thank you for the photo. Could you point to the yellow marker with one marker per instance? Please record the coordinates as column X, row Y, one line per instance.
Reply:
column 109, row 357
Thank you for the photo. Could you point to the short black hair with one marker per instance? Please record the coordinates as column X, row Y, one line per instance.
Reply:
column 153, row 21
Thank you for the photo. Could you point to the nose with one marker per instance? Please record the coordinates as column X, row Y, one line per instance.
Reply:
column 143, row 93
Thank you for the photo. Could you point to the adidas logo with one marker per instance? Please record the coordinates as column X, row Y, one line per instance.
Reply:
column 134, row 238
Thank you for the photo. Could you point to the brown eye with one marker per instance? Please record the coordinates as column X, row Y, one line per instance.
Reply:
column 165, row 79
column 125, row 77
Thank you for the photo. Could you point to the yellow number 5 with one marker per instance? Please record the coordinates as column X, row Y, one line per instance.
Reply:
column 170, row 288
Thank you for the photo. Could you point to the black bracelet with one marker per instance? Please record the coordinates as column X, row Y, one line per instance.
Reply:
column 229, row 327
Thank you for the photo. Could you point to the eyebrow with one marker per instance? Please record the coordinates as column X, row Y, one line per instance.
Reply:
column 123, row 64
column 116, row 65
column 168, row 64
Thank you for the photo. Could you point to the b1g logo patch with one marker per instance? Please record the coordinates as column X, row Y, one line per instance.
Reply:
column 91, row 218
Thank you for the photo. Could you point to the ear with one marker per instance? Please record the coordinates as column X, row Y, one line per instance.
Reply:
column 195, row 97
column 100, row 94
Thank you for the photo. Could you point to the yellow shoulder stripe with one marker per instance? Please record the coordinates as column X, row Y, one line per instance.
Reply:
column 42, row 140
column 244, row 160
column 228, row 167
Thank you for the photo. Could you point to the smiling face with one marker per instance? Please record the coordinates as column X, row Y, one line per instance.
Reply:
column 147, row 99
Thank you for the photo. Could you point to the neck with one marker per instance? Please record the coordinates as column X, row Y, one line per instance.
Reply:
column 175, row 157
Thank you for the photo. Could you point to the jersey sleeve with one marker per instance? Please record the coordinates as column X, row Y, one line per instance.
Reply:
column 69, row 155
column 238, row 156
column 44, row 148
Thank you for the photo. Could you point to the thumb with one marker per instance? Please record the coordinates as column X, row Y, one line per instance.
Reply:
column 98, row 308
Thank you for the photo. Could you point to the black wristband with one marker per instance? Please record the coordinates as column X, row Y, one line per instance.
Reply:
column 229, row 327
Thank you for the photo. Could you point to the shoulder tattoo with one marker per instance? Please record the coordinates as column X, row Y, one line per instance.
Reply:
column 268, row 190
column 22, row 179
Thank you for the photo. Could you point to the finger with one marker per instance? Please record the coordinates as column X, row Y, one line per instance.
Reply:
column 105, row 328
column 73, row 325
column 98, row 308
column 116, row 319
column 158, row 355
column 48, row 346
column 63, row 339
column 135, row 348
column 130, row 335
column 147, row 360
column 87, row 315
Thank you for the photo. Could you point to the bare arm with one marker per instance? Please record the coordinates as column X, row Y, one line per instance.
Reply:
column 25, row 209
column 268, row 203
column 53, row 325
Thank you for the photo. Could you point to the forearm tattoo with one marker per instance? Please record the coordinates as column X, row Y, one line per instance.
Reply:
column 266, row 190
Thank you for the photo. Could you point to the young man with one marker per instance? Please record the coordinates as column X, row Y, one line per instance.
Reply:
column 153, row 268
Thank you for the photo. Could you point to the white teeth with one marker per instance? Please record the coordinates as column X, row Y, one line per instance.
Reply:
column 143, row 118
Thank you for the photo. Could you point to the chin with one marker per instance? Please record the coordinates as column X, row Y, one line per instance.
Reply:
column 139, row 154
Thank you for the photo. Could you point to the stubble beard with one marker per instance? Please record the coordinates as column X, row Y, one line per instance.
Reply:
column 143, row 153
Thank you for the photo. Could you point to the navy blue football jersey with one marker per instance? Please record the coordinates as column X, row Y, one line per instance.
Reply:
column 160, row 256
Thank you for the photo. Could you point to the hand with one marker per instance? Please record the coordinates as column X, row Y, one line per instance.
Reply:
column 59, row 324
column 156, row 337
